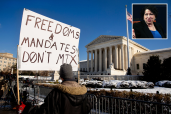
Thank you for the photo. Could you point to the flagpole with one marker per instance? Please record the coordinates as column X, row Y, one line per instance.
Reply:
column 127, row 41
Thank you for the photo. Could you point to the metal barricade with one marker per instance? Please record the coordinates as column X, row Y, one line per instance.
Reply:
column 94, row 102
column 113, row 105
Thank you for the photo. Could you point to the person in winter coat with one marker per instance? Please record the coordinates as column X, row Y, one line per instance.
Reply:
column 66, row 98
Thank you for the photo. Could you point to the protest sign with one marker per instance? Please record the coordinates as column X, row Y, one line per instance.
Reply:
column 45, row 44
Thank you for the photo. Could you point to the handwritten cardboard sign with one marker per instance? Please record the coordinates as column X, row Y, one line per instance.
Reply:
column 45, row 44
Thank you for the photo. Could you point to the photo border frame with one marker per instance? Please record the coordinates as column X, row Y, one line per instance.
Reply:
column 166, row 20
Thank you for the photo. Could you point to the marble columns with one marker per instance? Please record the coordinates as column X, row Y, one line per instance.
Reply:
column 87, row 61
column 116, row 57
column 116, row 54
column 100, row 59
column 92, row 61
column 122, row 57
column 105, row 59
column 110, row 55
column 95, row 60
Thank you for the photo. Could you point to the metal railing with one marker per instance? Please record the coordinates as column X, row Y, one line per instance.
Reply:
column 114, row 105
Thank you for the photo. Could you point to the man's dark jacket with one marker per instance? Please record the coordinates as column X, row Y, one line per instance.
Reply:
column 142, row 31
column 66, row 98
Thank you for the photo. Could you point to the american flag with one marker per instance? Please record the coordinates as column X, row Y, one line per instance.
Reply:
column 129, row 17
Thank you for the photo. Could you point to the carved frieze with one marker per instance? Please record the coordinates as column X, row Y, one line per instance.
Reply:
column 103, row 38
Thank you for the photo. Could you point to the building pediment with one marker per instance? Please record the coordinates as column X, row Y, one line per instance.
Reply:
column 103, row 38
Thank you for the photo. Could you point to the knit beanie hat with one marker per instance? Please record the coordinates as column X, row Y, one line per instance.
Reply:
column 66, row 72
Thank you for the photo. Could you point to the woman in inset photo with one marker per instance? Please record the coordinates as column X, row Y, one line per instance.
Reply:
column 148, row 27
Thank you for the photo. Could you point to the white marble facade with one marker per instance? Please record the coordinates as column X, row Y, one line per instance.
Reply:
column 108, row 55
column 142, row 58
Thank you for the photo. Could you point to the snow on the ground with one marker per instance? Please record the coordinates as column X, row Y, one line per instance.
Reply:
column 40, row 102
column 119, row 83
column 162, row 90
column 39, row 77
column 161, row 83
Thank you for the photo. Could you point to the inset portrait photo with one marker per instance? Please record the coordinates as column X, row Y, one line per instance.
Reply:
column 149, row 21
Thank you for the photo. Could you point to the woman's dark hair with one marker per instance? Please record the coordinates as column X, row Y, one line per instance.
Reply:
column 153, row 9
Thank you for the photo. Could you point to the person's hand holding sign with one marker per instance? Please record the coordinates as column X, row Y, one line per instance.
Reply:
column 133, row 34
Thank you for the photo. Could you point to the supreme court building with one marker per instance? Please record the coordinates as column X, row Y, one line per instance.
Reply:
column 107, row 55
